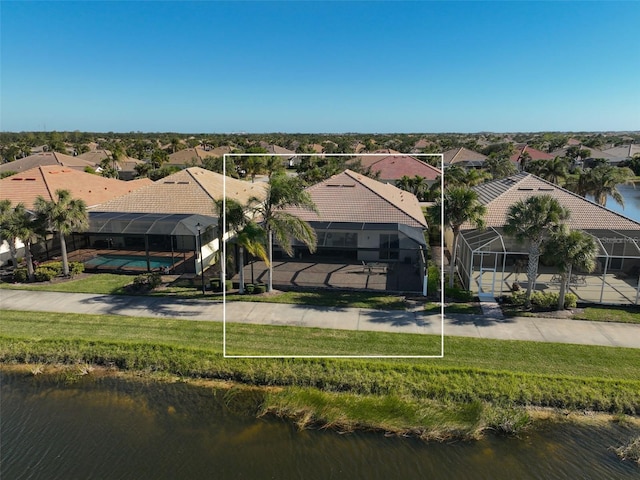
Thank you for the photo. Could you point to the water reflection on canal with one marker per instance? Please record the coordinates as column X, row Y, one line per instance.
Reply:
column 120, row 429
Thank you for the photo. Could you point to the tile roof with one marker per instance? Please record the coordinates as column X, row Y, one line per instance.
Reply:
column 351, row 197
column 461, row 155
column 93, row 189
column 623, row 151
column 187, row 155
column 499, row 195
column 126, row 163
column 189, row 191
column 46, row 158
column 394, row 167
column 535, row 154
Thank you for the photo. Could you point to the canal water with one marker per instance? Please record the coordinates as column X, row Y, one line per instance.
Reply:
column 631, row 197
column 108, row 428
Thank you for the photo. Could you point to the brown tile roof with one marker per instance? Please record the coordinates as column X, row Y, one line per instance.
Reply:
column 394, row 167
column 499, row 195
column 462, row 155
column 46, row 158
column 190, row 191
column 535, row 154
column 351, row 197
column 93, row 189
column 188, row 155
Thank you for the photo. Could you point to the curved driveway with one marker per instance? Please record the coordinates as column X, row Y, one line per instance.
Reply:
column 481, row 326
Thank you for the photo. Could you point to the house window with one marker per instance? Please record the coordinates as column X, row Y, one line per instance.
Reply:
column 389, row 246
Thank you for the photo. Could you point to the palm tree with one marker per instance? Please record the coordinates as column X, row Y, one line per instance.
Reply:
column 22, row 224
column 604, row 180
column 534, row 219
column 6, row 230
column 65, row 215
column 569, row 249
column 500, row 166
column 460, row 206
column 251, row 238
column 254, row 166
column 234, row 216
column 283, row 192
column 554, row 170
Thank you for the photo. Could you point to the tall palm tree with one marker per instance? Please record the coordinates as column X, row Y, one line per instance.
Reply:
column 64, row 215
column 569, row 249
column 555, row 170
column 604, row 180
column 461, row 205
column 234, row 216
column 22, row 224
column 533, row 220
column 283, row 192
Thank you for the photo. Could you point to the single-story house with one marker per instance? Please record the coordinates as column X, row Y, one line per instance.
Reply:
column 486, row 258
column 25, row 187
column 164, row 216
column 365, row 220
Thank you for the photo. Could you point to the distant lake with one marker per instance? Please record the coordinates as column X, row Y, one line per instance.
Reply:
column 631, row 195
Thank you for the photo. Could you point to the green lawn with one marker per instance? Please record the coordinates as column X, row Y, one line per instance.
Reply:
column 113, row 284
column 610, row 314
column 102, row 283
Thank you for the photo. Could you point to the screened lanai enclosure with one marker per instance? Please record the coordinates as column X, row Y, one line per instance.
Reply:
column 130, row 242
column 490, row 263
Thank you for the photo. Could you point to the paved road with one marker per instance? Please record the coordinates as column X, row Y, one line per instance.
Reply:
column 480, row 326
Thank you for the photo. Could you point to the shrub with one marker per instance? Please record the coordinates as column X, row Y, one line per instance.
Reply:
column 249, row 288
column 45, row 274
column 570, row 300
column 458, row 294
column 20, row 275
column 260, row 288
column 433, row 280
column 147, row 281
column 76, row 268
column 54, row 266
column 544, row 300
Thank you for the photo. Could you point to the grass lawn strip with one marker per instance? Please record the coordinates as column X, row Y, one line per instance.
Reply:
column 523, row 373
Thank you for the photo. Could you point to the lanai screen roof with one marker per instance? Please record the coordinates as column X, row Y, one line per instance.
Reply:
column 118, row 223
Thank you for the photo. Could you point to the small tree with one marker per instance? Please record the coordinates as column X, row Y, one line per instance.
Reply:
column 283, row 192
column 533, row 220
column 64, row 215
column 460, row 206
column 569, row 250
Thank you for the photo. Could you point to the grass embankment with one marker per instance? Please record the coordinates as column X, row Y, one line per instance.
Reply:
column 478, row 384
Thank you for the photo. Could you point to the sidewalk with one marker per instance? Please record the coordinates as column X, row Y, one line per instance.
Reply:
column 412, row 321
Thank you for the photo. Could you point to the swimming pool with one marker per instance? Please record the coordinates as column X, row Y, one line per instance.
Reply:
column 128, row 261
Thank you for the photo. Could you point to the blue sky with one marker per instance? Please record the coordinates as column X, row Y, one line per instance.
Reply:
column 320, row 66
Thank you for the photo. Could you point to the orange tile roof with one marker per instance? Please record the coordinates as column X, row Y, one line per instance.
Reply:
column 499, row 195
column 93, row 189
column 351, row 197
column 191, row 191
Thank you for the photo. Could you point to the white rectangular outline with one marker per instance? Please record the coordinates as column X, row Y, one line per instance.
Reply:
column 288, row 155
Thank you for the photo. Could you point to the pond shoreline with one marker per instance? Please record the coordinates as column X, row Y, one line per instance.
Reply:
column 297, row 406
